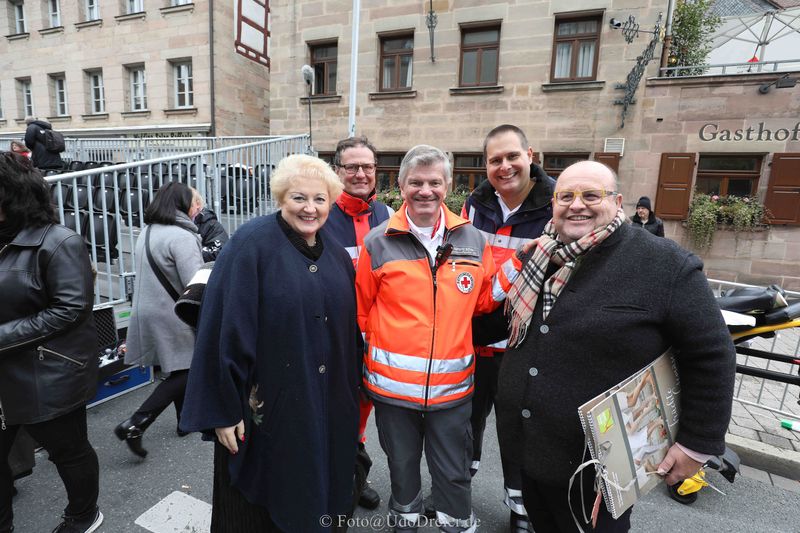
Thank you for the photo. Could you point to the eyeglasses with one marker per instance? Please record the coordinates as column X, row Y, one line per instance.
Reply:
column 590, row 197
column 352, row 168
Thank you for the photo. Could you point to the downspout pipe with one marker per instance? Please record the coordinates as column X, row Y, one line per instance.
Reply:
column 667, row 35
column 213, row 132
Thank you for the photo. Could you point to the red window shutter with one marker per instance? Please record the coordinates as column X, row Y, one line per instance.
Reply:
column 783, row 193
column 675, row 186
column 611, row 159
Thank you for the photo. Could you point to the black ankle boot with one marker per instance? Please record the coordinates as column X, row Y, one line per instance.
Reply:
column 131, row 432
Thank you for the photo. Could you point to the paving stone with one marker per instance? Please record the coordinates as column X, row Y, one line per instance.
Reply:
column 750, row 423
column 785, row 483
column 744, row 432
column 796, row 444
column 774, row 440
column 754, row 473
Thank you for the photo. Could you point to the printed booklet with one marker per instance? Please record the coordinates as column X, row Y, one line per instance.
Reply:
column 629, row 429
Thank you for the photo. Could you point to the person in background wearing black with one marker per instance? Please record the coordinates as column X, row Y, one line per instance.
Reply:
column 48, row 343
column 211, row 231
column 43, row 159
column 645, row 219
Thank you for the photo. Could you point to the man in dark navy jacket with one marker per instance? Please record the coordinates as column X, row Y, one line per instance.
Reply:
column 355, row 212
column 510, row 209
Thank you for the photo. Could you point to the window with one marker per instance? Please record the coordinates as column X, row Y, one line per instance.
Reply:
column 182, row 80
column 469, row 171
column 480, row 48
column 97, row 93
column 92, row 11
column 396, row 62
column 137, row 88
column 134, row 6
column 388, row 169
column 54, row 13
column 575, row 47
column 554, row 164
column 18, row 9
column 728, row 174
column 323, row 61
column 180, row 2
column 58, row 95
column 25, row 97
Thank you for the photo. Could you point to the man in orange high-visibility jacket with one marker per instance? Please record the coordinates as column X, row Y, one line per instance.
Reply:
column 421, row 276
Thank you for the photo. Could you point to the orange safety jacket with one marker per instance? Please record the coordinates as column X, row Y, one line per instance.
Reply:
column 417, row 318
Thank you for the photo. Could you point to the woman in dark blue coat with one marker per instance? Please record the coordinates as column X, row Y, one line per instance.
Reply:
column 275, row 372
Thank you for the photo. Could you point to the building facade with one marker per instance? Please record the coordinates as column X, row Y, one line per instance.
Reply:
column 116, row 67
column 559, row 71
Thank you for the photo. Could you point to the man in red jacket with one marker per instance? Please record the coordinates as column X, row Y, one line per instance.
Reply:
column 355, row 212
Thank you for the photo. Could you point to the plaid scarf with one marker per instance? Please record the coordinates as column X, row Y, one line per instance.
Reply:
column 525, row 291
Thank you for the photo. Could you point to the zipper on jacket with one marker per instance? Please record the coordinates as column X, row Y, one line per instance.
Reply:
column 42, row 349
column 434, row 268
column 2, row 417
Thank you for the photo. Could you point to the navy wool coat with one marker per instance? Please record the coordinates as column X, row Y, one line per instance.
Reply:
column 277, row 347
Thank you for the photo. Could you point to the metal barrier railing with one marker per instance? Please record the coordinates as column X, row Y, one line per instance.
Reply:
column 769, row 394
column 123, row 149
column 723, row 69
column 106, row 204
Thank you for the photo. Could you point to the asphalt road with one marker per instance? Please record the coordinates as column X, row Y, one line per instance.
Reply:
column 130, row 487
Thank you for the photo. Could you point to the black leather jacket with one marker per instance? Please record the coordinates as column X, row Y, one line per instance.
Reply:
column 48, row 342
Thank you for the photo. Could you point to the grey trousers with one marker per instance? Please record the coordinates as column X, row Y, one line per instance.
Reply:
column 446, row 437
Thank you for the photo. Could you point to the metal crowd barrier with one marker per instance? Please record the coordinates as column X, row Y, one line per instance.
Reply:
column 106, row 204
column 769, row 394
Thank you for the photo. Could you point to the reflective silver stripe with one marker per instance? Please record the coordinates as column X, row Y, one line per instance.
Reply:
column 509, row 270
column 498, row 294
column 502, row 345
column 353, row 251
column 387, row 384
column 504, row 241
column 471, row 214
column 420, row 364
column 396, row 387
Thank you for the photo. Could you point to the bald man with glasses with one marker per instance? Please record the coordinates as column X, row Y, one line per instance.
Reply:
column 596, row 301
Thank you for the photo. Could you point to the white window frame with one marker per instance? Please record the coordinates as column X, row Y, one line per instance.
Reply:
column 92, row 9
column 182, row 75
column 60, row 96
column 180, row 2
column 97, row 92
column 54, row 13
column 138, row 88
column 20, row 25
column 134, row 6
column 26, row 91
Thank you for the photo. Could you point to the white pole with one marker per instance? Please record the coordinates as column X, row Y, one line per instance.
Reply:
column 351, row 115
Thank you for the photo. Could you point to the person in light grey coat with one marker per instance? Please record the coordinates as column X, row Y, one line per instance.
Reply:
column 156, row 336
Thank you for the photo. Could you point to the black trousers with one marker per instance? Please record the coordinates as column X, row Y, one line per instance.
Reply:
column 486, row 372
column 170, row 390
column 548, row 509
column 66, row 440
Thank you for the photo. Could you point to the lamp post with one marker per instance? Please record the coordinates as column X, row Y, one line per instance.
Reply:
column 308, row 76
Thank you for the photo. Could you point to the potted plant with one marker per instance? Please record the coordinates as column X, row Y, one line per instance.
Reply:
column 709, row 212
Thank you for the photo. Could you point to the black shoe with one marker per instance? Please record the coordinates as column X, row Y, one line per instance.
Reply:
column 131, row 432
column 520, row 524
column 430, row 509
column 21, row 475
column 180, row 432
column 73, row 525
column 369, row 499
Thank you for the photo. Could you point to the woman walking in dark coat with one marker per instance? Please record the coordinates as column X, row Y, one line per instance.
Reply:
column 276, row 367
column 155, row 335
column 48, row 343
